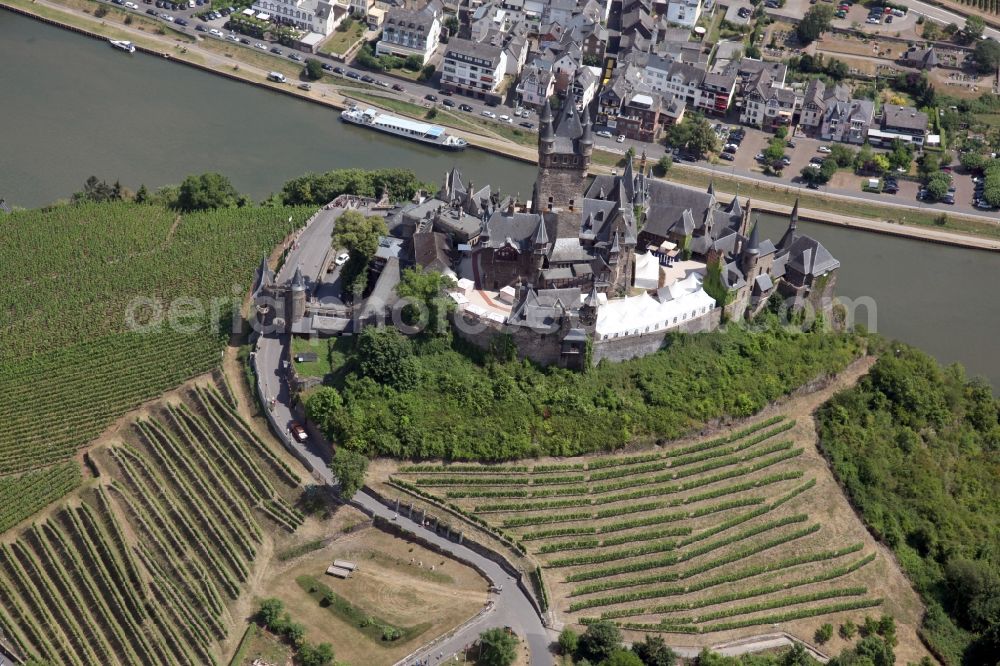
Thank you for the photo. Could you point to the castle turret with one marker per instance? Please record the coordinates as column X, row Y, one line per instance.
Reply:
column 786, row 241
column 546, row 132
column 750, row 254
column 587, row 138
column 588, row 310
column 297, row 296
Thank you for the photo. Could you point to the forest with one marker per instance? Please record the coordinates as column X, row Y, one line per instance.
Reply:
column 916, row 446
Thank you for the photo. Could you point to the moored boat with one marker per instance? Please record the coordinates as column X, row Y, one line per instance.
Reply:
column 433, row 135
column 126, row 46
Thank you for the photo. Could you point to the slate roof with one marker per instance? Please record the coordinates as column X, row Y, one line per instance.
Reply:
column 903, row 117
column 809, row 257
column 520, row 228
column 430, row 251
column 544, row 308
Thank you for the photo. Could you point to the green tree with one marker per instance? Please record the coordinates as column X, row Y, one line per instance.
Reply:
column 497, row 647
column 663, row 165
column 426, row 73
column 427, row 292
column 815, row 22
column 359, row 234
column 880, row 163
column 813, row 174
column 775, row 150
column 270, row 612
column 824, row 633
column 324, row 407
column 622, row 658
column 568, row 641
column 974, row 27
column 653, row 651
column 207, row 191
column 901, row 155
column 864, row 158
column 973, row 593
column 987, row 55
column 142, row 195
column 937, row 185
column 452, row 25
column 349, row 468
column 600, row 641
column 929, row 164
column 413, row 63
column 386, row 356
column 695, row 134
column 313, row 69
column 295, row 632
column 315, row 655
column 842, row 155
column 848, row 630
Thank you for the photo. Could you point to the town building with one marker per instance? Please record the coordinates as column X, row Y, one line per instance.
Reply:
column 473, row 68
column 411, row 32
column 318, row 16
column 684, row 12
column 536, row 85
column 768, row 103
column 919, row 58
column 904, row 123
column 834, row 115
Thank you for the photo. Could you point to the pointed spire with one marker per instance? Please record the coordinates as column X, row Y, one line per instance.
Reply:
column 298, row 282
column 734, row 209
column 547, row 132
column 592, row 300
column 786, row 240
column 587, row 139
column 541, row 237
column 615, row 245
column 711, row 187
column 266, row 276
column 753, row 244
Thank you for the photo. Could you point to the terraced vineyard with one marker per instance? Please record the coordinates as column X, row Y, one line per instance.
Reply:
column 696, row 538
column 71, row 362
column 143, row 567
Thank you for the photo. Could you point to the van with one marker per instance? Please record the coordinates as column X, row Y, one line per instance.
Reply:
column 874, row 184
column 276, row 76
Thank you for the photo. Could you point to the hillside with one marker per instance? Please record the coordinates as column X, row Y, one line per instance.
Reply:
column 84, row 288
column 150, row 560
column 917, row 448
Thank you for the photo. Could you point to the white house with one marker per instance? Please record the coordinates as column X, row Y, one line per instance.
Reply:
column 408, row 32
column 473, row 68
column 684, row 12
column 536, row 85
column 319, row 16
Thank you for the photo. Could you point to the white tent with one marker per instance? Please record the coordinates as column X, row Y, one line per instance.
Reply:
column 647, row 271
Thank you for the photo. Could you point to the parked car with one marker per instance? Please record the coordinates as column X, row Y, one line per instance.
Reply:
column 338, row 70
column 888, row 19
column 505, row 118
column 489, row 114
column 298, row 432
column 244, row 40
column 260, row 46
column 729, row 157
column 823, row 149
column 446, row 93
column 368, row 79
column 398, row 88
column 152, row 12
column 305, row 86
column 620, row 139
column 527, row 125
column 353, row 75
column 275, row 50
column 342, row 258
column 327, row 67
column 605, row 134
column 465, row 107
column 449, row 103
column 729, row 149
column 790, row 143
column 430, row 98
column 216, row 32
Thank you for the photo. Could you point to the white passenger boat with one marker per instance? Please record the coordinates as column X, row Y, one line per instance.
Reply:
column 434, row 135
column 128, row 47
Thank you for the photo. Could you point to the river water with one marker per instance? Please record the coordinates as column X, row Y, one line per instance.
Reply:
column 72, row 106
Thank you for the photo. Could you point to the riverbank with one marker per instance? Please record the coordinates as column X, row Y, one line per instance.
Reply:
column 976, row 232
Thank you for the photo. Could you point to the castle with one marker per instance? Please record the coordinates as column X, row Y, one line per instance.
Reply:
column 597, row 268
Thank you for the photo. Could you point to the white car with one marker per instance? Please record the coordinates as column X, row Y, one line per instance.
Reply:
column 233, row 38
column 824, row 149
column 621, row 138
column 131, row 5
column 489, row 114
column 260, row 46
column 603, row 134
column 341, row 258
column 216, row 32
column 873, row 20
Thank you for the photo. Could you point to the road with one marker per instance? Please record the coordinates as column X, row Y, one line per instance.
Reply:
column 511, row 606
column 946, row 16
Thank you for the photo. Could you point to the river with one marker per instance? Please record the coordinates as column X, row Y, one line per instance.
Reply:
column 72, row 107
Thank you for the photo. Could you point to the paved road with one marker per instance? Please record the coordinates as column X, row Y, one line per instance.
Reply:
column 511, row 606
column 946, row 16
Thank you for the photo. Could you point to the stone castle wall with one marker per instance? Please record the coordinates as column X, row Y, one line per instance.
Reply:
column 563, row 185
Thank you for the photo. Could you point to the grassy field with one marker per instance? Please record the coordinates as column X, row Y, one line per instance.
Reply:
column 318, row 368
column 719, row 537
column 340, row 42
column 142, row 565
column 88, row 333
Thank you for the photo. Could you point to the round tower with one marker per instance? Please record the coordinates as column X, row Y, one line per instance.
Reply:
column 297, row 297
column 546, row 133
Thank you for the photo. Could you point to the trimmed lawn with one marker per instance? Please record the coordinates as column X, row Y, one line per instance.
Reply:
column 340, row 42
column 318, row 368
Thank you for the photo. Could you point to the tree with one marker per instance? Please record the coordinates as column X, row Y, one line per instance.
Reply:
column 359, row 235
column 815, row 22
column 864, row 158
column 497, row 647
column 386, row 356
column 987, row 55
column 413, row 63
column 848, row 630
column 974, row 27
column 812, row 174
column 206, row 192
column 295, row 632
column 426, row 290
column 842, row 155
column 142, row 195
column 568, row 641
column 349, row 468
column 663, row 165
column 600, row 641
column 973, row 593
column 694, row 134
column 313, row 69
column 775, row 150
column 937, row 185
column 931, row 31
column 653, row 651
column 270, row 612
column 323, row 406
column 622, row 658
column 426, row 73
column 315, row 655
column 929, row 164
column 451, row 23
column 901, row 155
column 824, row 633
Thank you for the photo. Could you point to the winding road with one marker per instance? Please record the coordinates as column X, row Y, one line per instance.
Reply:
column 511, row 607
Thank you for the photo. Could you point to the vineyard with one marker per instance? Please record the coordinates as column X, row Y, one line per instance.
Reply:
column 981, row 6
column 694, row 538
column 144, row 567
column 70, row 363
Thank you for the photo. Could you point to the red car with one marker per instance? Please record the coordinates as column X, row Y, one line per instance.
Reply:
column 298, row 432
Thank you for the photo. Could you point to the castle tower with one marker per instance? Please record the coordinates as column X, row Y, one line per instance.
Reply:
column 588, row 311
column 786, row 241
column 297, row 297
column 564, row 154
column 750, row 254
column 539, row 245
